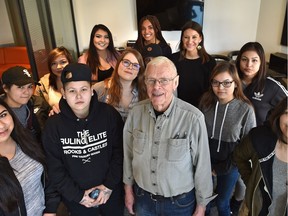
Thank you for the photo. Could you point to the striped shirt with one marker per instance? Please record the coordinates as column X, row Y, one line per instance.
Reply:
column 28, row 173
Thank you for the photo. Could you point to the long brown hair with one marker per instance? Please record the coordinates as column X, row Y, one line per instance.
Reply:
column 58, row 51
column 209, row 99
column 115, row 90
column 201, row 52
column 157, row 29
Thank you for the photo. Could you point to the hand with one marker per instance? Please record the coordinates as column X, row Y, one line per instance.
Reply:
column 86, row 200
column 55, row 109
column 129, row 198
column 104, row 195
column 49, row 214
column 214, row 173
column 200, row 211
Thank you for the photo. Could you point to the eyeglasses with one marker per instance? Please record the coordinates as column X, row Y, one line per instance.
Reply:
column 225, row 84
column 162, row 81
column 126, row 63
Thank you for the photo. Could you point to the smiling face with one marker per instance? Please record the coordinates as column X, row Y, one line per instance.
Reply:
column 58, row 64
column 148, row 32
column 78, row 96
column 249, row 64
column 128, row 73
column 101, row 40
column 191, row 40
column 6, row 125
column 16, row 96
column 224, row 94
column 159, row 94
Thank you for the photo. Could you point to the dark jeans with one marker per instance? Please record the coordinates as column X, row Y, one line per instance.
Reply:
column 114, row 206
column 224, row 189
column 147, row 205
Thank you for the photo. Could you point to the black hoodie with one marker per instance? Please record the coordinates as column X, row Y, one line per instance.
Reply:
column 83, row 153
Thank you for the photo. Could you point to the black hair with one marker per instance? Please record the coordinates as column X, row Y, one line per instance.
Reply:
column 10, row 189
column 201, row 52
column 274, row 119
column 260, row 77
column 25, row 139
column 93, row 56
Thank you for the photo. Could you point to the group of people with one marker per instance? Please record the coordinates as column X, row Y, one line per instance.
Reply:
column 140, row 126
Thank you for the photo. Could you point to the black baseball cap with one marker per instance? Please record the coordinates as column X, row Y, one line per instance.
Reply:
column 18, row 75
column 76, row 72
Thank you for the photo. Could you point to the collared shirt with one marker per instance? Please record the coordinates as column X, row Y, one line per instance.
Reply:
column 168, row 155
column 102, row 92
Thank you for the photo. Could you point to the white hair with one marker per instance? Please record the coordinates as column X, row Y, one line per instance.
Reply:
column 162, row 60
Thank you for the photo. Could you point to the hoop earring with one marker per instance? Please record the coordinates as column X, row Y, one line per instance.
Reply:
column 199, row 47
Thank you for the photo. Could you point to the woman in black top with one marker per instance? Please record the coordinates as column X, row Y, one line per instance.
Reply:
column 149, row 32
column 101, row 56
column 193, row 63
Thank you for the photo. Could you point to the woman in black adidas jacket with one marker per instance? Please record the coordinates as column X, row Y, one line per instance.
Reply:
column 263, row 92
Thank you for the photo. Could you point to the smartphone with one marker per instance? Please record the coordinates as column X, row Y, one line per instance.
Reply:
column 94, row 194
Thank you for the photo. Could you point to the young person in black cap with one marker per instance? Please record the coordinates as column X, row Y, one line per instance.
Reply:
column 84, row 147
column 32, row 111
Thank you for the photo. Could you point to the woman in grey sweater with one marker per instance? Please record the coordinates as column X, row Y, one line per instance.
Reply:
column 229, row 116
column 22, row 165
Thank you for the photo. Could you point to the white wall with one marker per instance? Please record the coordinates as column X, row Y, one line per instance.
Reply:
column 6, row 36
column 118, row 16
column 63, row 25
column 228, row 24
column 270, row 25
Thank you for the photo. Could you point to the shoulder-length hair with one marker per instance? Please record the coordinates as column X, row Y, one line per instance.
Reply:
column 157, row 29
column 274, row 119
column 209, row 99
column 115, row 90
column 93, row 60
column 24, row 138
column 55, row 53
column 201, row 52
column 260, row 77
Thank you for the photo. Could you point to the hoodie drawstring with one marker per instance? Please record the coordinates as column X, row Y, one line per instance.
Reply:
column 214, row 121
column 214, row 124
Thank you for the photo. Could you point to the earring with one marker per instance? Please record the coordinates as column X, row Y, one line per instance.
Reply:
column 199, row 47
